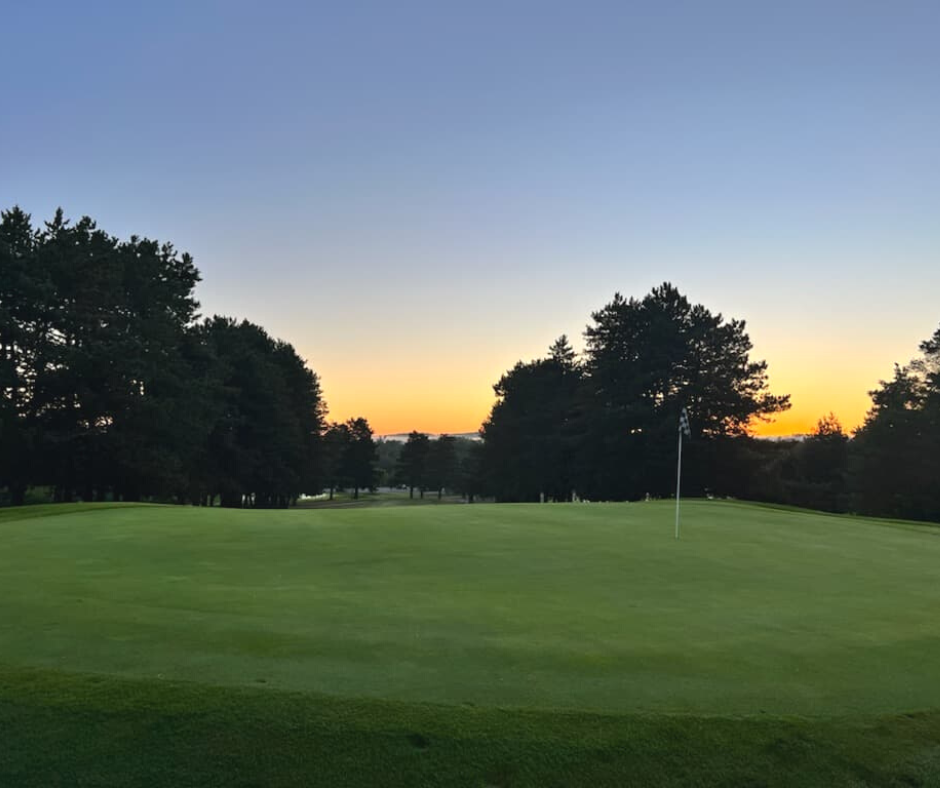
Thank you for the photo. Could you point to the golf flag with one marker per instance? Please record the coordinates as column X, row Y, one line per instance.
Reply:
column 683, row 430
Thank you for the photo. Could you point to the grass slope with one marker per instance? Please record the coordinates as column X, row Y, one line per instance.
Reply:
column 68, row 729
column 474, row 645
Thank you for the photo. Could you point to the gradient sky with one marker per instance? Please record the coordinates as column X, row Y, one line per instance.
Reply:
column 418, row 194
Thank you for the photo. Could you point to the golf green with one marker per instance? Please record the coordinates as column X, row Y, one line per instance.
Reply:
column 590, row 607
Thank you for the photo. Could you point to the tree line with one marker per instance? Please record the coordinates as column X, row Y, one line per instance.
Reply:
column 604, row 426
column 113, row 387
column 444, row 463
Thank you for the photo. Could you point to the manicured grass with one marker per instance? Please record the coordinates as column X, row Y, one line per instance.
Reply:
column 468, row 645
column 72, row 729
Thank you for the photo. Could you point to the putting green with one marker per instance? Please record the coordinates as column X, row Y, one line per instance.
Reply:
column 592, row 606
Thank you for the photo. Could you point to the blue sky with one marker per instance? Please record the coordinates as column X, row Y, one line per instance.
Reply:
column 418, row 194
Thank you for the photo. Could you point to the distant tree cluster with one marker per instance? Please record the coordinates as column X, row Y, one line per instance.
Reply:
column 604, row 426
column 445, row 463
column 112, row 388
column 889, row 468
column 350, row 457
column 812, row 472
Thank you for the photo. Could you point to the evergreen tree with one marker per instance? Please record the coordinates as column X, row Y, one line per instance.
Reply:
column 264, row 446
column 528, row 438
column 335, row 442
column 896, row 453
column 823, row 467
column 412, row 467
column 108, row 386
column 24, row 311
column 359, row 459
column 470, row 477
column 442, row 464
column 99, row 327
column 644, row 361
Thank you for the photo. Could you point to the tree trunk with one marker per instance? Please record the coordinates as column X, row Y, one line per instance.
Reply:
column 411, row 492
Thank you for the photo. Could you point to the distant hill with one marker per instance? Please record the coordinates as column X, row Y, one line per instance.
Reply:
column 403, row 436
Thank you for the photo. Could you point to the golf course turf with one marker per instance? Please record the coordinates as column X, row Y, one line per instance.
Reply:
column 513, row 645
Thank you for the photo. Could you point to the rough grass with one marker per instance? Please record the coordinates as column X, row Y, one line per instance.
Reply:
column 474, row 645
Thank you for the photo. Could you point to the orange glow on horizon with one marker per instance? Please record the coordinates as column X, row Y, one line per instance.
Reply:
column 800, row 421
column 464, row 412
column 454, row 394
column 398, row 418
column 451, row 396
column 815, row 392
column 433, row 418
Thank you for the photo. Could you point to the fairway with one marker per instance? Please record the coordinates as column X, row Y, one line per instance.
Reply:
column 581, row 607
column 512, row 646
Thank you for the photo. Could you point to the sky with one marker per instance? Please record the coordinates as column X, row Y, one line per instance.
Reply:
column 418, row 194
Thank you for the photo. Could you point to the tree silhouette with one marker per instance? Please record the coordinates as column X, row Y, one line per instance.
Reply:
column 412, row 468
column 896, row 452
column 644, row 361
column 528, row 441
column 335, row 442
column 606, row 427
column 109, row 387
column 359, row 458
column 442, row 464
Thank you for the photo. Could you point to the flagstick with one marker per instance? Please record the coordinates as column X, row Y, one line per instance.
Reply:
column 678, row 481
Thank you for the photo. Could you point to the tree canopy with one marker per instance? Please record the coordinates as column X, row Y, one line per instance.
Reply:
column 897, row 449
column 528, row 439
column 605, row 426
column 111, row 386
column 412, row 469
column 359, row 457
